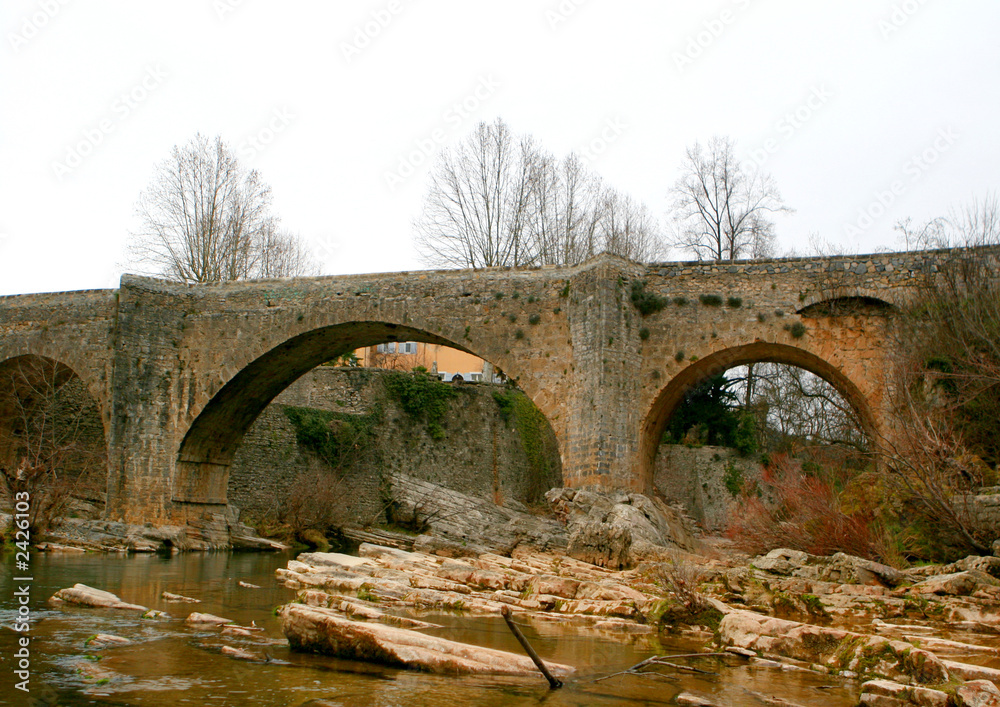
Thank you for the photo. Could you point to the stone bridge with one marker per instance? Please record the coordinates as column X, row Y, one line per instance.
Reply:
column 179, row 372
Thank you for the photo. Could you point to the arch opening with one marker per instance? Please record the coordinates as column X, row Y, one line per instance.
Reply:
column 343, row 399
column 673, row 395
column 52, row 440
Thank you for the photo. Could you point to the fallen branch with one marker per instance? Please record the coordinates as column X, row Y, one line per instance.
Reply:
column 554, row 683
column 664, row 660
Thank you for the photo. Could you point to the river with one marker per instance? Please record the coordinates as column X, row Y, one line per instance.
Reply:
column 169, row 663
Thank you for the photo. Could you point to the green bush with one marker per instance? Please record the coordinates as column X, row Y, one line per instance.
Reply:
column 644, row 333
column 332, row 436
column 423, row 397
column 710, row 300
column 646, row 302
column 734, row 302
column 534, row 319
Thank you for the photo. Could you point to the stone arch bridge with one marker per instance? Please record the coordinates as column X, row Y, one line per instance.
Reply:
column 179, row 372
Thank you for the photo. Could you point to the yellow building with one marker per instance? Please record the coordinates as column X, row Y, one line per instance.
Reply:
column 449, row 364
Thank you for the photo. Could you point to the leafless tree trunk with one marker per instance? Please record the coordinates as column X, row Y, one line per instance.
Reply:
column 476, row 212
column 206, row 218
column 499, row 200
column 44, row 445
column 722, row 208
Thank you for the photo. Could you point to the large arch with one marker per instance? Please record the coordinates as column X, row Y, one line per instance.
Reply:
column 671, row 396
column 211, row 440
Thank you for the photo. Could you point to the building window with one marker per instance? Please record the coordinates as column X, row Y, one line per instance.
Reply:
column 403, row 347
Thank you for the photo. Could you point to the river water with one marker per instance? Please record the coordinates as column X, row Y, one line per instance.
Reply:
column 169, row 663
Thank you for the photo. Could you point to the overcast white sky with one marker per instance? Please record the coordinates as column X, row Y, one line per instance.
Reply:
column 859, row 108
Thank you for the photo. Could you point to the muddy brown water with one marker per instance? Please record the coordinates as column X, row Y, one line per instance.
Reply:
column 169, row 663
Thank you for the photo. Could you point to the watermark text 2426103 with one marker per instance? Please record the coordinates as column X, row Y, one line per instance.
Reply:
column 22, row 589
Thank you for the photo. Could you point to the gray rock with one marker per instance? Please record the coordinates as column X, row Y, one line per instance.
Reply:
column 602, row 544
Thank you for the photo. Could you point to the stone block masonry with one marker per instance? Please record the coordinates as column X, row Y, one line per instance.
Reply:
column 181, row 372
column 480, row 454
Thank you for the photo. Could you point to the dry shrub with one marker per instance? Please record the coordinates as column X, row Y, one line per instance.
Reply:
column 316, row 500
column 51, row 440
column 807, row 514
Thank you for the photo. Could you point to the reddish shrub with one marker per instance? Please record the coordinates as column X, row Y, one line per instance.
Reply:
column 806, row 514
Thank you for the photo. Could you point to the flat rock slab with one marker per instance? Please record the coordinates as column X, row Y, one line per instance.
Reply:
column 167, row 596
column 207, row 619
column 319, row 630
column 82, row 595
column 977, row 693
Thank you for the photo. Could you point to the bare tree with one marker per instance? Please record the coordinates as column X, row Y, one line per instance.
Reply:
column 723, row 208
column 500, row 200
column 206, row 218
column 476, row 212
column 627, row 228
column 565, row 211
column 51, row 442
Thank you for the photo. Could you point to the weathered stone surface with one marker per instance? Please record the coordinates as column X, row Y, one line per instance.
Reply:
column 468, row 521
column 977, row 693
column 105, row 640
column 957, row 584
column 618, row 529
column 241, row 654
column 781, row 561
column 167, row 596
column 83, row 595
column 902, row 694
column 602, row 544
column 207, row 619
column 968, row 671
column 830, row 646
column 317, row 630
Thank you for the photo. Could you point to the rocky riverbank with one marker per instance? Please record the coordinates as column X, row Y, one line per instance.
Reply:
column 626, row 565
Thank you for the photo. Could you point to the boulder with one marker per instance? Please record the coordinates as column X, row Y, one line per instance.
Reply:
column 602, row 544
column 207, row 619
column 105, row 640
column 167, row 596
column 977, row 693
column 956, row 584
column 318, row 630
column 83, row 595
column 781, row 561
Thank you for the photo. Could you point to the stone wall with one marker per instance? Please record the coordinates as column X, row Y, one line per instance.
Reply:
column 481, row 454
column 696, row 478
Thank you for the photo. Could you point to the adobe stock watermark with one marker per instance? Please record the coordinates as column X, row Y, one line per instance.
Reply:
column 610, row 132
column 913, row 171
column 326, row 248
column 454, row 116
column 369, row 30
column 226, row 7
column 32, row 25
column 561, row 13
column 120, row 110
column 791, row 123
column 712, row 29
column 21, row 660
column 253, row 145
column 902, row 12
